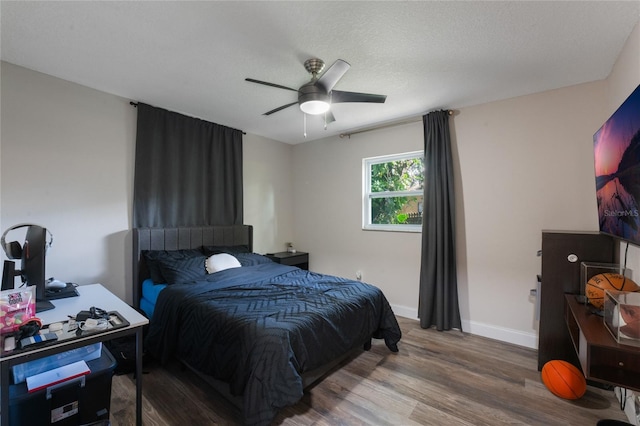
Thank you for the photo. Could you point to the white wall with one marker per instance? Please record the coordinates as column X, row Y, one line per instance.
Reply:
column 67, row 158
column 328, row 213
column 522, row 165
column 526, row 165
column 67, row 164
column 268, row 195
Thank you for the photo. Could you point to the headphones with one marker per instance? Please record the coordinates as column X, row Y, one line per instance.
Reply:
column 13, row 249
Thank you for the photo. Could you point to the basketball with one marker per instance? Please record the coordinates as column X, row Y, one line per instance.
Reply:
column 563, row 379
column 594, row 290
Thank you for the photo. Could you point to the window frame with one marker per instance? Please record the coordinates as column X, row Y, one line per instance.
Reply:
column 367, row 195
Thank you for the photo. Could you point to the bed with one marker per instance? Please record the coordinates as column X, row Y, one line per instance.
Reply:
column 263, row 329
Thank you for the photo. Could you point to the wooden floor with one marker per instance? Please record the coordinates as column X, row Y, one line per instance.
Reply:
column 437, row 378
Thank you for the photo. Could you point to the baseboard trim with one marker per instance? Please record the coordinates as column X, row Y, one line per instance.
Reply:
column 508, row 335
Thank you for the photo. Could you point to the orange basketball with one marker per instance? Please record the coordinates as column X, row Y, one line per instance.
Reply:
column 563, row 379
column 594, row 290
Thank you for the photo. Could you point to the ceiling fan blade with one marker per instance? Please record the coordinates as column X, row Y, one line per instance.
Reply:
column 280, row 108
column 270, row 84
column 338, row 96
column 333, row 75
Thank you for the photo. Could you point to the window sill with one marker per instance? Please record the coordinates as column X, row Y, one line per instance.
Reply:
column 393, row 228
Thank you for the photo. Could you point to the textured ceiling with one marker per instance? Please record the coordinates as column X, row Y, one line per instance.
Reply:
column 192, row 57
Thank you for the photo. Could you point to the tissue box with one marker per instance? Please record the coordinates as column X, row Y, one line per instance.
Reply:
column 622, row 316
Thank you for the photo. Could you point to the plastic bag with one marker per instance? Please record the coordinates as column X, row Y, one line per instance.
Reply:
column 17, row 306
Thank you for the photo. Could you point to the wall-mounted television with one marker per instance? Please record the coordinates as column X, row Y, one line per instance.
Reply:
column 617, row 169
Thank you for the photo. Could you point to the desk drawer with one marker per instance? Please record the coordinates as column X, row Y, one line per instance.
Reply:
column 295, row 260
column 615, row 366
column 299, row 259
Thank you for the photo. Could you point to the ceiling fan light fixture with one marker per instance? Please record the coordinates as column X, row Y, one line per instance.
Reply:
column 316, row 96
column 314, row 107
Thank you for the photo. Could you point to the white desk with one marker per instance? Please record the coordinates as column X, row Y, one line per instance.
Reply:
column 90, row 295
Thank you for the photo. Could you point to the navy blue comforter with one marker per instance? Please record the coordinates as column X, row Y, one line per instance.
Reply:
column 259, row 327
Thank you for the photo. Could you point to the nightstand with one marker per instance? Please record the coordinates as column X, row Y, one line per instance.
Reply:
column 299, row 259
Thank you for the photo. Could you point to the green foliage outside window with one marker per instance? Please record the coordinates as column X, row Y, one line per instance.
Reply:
column 397, row 177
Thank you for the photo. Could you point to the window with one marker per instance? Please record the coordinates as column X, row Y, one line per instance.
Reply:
column 393, row 191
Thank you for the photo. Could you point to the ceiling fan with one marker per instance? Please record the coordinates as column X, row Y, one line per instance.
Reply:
column 316, row 96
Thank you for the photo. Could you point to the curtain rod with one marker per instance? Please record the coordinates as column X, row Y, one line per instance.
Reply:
column 384, row 126
column 135, row 105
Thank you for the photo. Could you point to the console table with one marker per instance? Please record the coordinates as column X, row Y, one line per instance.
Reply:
column 602, row 358
column 89, row 295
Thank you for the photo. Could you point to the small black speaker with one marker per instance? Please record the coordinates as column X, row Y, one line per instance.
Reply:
column 8, row 275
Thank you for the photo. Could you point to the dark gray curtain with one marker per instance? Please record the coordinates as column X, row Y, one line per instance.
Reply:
column 438, row 299
column 188, row 172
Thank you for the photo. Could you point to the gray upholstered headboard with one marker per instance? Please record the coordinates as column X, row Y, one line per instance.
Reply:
column 182, row 238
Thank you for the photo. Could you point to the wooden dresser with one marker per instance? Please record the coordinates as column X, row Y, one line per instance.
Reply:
column 602, row 359
column 562, row 253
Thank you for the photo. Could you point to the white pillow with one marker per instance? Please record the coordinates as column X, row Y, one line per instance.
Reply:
column 220, row 262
